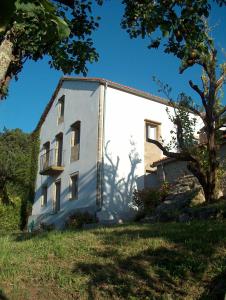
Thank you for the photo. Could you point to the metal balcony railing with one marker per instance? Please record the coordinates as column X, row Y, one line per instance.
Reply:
column 52, row 160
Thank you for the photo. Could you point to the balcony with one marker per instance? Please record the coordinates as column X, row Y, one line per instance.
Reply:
column 52, row 162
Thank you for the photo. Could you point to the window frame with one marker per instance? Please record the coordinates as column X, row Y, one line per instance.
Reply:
column 73, row 196
column 44, row 197
column 59, row 150
column 153, row 124
column 61, row 109
column 75, row 144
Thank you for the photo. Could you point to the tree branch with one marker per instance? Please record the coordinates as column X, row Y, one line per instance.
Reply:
column 179, row 156
column 195, row 169
column 202, row 115
column 219, row 82
column 223, row 110
column 197, row 90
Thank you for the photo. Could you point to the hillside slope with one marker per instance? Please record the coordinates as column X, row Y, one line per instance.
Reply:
column 160, row 261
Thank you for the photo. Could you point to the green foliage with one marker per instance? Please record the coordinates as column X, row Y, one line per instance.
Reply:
column 183, row 135
column 59, row 29
column 7, row 8
column 148, row 199
column 14, row 162
column 27, row 200
column 10, row 215
column 78, row 219
column 183, row 26
column 180, row 24
column 18, row 168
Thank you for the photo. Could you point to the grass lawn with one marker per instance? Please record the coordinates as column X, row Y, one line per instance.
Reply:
column 160, row 261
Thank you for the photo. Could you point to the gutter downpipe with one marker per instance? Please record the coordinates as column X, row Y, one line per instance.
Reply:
column 101, row 141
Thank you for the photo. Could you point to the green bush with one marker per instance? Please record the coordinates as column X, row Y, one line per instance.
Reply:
column 148, row 199
column 78, row 219
column 10, row 215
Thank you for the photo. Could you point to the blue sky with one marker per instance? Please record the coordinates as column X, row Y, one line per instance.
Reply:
column 122, row 60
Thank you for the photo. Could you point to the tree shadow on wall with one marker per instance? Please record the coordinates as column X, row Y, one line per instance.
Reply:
column 118, row 190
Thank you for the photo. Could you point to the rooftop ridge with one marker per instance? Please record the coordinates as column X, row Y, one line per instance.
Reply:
column 103, row 81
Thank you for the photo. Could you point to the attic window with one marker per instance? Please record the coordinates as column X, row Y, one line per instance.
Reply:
column 152, row 130
column 61, row 103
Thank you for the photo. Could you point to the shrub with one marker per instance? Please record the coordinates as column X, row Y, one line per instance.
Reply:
column 10, row 215
column 78, row 219
column 164, row 190
column 148, row 199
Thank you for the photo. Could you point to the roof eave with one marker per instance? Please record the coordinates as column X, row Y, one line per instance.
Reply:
column 103, row 82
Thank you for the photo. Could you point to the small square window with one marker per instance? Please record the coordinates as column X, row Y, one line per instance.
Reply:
column 74, row 187
column 44, row 195
column 151, row 132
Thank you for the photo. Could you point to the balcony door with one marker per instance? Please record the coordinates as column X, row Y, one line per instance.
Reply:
column 59, row 149
column 56, row 204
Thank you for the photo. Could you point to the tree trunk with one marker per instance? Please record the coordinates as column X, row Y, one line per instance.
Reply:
column 212, row 167
column 6, row 56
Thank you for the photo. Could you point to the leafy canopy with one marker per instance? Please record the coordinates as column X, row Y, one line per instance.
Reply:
column 181, row 24
column 60, row 29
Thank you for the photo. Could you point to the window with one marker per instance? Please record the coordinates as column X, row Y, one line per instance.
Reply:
column 45, row 159
column 152, row 131
column 56, row 203
column 61, row 109
column 75, row 141
column 59, row 149
column 74, row 187
column 44, row 195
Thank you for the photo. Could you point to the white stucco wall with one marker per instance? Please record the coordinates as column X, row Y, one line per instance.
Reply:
column 124, row 148
column 122, row 167
column 81, row 104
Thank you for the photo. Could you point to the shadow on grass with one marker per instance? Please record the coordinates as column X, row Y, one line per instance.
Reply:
column 216, row 289
column 3, row 296
column 25, row 236
column 134, row 276
column 175, row 268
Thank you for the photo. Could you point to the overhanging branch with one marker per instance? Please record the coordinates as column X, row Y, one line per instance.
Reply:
column 220, row 82
column 197, row 90
column 179, row 156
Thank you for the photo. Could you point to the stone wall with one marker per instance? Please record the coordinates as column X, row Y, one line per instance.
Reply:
column 172, row 170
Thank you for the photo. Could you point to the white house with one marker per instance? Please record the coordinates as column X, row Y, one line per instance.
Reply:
column 94, row 150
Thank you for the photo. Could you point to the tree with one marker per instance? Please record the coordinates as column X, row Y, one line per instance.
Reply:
column 182, row 25
column 30, row 29
column 15, row 158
